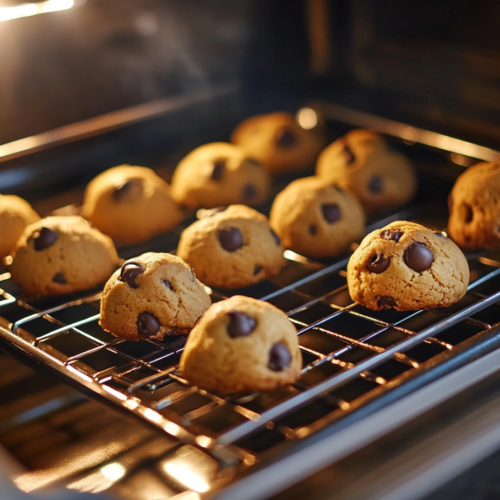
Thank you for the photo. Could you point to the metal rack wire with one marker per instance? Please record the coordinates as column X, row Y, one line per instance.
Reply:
column 349, row 353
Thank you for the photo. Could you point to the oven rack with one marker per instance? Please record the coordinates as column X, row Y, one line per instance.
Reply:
column 351, row 354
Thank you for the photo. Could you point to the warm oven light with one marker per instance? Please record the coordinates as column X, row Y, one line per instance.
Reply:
column 32, row 9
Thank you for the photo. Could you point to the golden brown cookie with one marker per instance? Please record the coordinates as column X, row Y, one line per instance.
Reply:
column 363, row 163
column 242, row 344
column 316, row 218
column 58, row 255
column 153, row 295
column 219, row 174
column 474, row 205
column 406, row 266
column 232, row 248
column 130, row 204
column 15, row 215
column 279, row 142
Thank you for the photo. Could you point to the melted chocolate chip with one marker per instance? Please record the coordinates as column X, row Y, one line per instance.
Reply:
column 468, row 213
column 276, row 237
column 349, row 155
column 240, row 324
column 44, row 238
column 121, row 191
column 378, row 263
column 231, row 239
column 59, row 278
column 249, row 192
column 147, row 324
column 331, row 212
column 313, row 230
column 418, row 257
column 130, row 271
column 279, row 357
column 387, row 302
column 375, row 185
column 257, row 269
column 254, row 162
column 286, row 139
column 168, row 284
column 392, row 234
column 218, row 169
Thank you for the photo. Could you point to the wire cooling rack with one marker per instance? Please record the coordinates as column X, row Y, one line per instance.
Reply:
column 351, row 355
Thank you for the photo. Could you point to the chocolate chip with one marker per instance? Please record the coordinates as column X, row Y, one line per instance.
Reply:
column 240, row 324
column 254, row 161
column 249, row 192
column 338, row 188
column 279, row 357
column 59, row 278
column 121, row 191
column 276, row 237
column 313, row 230
column 286, row 139
column 257, row 270
column 467, row 213
column 387, row 302
column 147, row 324
column 168, row 284
column 231, row 239
column 218, row 169
column 418, row 257
column 378, row 263
column 375, row 185
column 130, row 271
column 331, row 212
column 193, row 277
column 350, row 158
column 44, row 238
column 441, row 234
column 392, row 234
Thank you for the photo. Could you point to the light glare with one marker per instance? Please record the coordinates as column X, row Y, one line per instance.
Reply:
column 32, row 9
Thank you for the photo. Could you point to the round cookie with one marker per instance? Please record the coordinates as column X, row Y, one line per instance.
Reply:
column 316, row 218
column 474, row 204
column 232, row 248
column 130, row 204
column 406, row 266
column 219, row 174
column 15, row 215
column 363, row 163
column 153, row 295
column 58, row 255
column 279, row 142
column 242, row 344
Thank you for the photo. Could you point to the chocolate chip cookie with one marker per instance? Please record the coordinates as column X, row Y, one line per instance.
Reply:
column 232, row 248
column 130, row 204
column 316, row 218
column 153, row 295
column 279, row 142
column 474, row 205
column 15, row 215
column 58, row 255
column 363, row 163
column 406, row 266
column 242, row 344
column 219, row 174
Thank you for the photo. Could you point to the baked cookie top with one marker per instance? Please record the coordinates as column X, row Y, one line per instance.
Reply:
column 152, row 295
column 232, row 248
column 130, row 204
column 219, row 174
column 316, row 218
column 406, row 266
column 58, row 255
column 242, row 344
column 474, row 204
column 363, row 163
column 279, row 142
column 15, row 215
